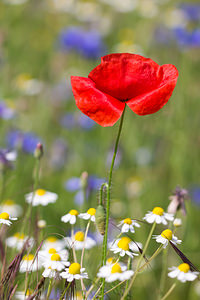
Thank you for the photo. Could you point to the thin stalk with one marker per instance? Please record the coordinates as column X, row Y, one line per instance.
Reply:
column 139, row 262
column 113, row 288
column 49, row 288
column 163, row 274
column 64, row 292
column 151, row 258
column 82, row 254
column 169, row 291
column 108, row 197
column 128, row 268
column 91, row 287
column 73, row 248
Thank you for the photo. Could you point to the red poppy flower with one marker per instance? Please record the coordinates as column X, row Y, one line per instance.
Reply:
column 123, row 78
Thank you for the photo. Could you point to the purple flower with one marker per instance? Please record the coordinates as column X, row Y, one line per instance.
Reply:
column 70, row 121
column 27, row 141
column 191, row 11
column 86, row 42
column 187, row 39
column 6, row 113
column 58, row 154
column 195, row 194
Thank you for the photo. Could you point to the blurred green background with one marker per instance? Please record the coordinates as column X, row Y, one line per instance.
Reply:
column 39, row 53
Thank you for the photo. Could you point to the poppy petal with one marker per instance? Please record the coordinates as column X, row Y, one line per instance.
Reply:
column 125, row 76
column 100, row 107
column 151, row 102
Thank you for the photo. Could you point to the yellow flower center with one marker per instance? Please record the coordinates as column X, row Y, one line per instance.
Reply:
column 28, row 292
column 158, row 211
column 116, row 269
column 52, row 251
column 128, row 221
column 184, row 268
column 111, row 260
column 55, row 257
column 75, row 268
column 124, row 243
column 19, row 236
column 79, row 236
column 167, row 234
column 9, row 202
column 40, row 192
column 73, row 212
column 28, row 257
column 52, row 239
column 91, row 211
column 4, row 216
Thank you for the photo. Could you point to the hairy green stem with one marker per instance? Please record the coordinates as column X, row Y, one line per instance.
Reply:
column 108, row 198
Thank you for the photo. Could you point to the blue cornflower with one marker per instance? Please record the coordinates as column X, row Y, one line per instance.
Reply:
column 88, row 43
column 187, row 39
column 27, row 141
column 195, row 193
column 70, row 121
column 74, row 184
column 6, row 113
column 191, row 11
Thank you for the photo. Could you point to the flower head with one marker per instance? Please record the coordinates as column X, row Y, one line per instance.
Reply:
column 124, row 246
column 74, row 272
column 123, row 79
column 18, row 240
column 128, row 225
column 29, row 263
column 165, row 237
column 6, row 219
column 11, row 208
column 41, row 197
column 70, row 217
column 53, row 242
column 78, row 241
column 159, row 216
column 115, row 271
column 55, row 261
column 89, row 215
column 183, row 273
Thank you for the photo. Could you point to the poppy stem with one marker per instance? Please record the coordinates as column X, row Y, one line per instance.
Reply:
column 108, row 197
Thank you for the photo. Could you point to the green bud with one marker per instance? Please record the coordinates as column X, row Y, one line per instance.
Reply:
column 100, row 217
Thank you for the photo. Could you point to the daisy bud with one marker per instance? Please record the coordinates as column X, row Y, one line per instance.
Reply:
column 41, row 224
column 100, row 217
column 84, row 179
column 38, row 153
column 177, row 222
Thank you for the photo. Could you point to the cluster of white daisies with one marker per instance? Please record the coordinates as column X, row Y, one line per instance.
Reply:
column 53, row 256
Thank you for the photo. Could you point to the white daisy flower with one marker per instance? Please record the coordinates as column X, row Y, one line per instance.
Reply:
column 55, row 262
column 114, row 272
column 41, row 197
column 74, row 272
column 53, row 242
column 23, row 295
column 159, row 216
column 79, row 241
column 89, row 215
column 49, row 273
column 44, row 254
column 165, row 237
column 29, row 264
column 11, row 208
column 128, row 225
column 70, row 217
column 6, row 219
column 18, row 240
column 124, row 246
column 177, row 222
column 183, row 273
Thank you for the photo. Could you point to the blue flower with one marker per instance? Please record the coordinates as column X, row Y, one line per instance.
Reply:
column 70, row 121
column 187, row 39
column 87, row 43
column 6, row 113
column 85, row 122
column 195, row 193
column 74, row 184
column 191, row 11
column 27, row 141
